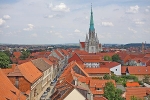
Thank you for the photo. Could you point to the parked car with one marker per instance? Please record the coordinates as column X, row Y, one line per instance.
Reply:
column 48, row 89
column 45, row 94
column 42, row 97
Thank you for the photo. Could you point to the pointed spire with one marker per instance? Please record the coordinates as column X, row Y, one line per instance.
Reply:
column 91, row 20
column 86, row 40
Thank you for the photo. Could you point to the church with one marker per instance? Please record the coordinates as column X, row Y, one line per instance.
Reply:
column 91, row 44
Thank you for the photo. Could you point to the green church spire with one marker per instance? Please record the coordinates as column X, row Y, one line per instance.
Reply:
column 91, row 21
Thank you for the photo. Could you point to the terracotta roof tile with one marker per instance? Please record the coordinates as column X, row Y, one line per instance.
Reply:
column 123, row 69
column 42, row 64
column 29, row 71
column 17, row 54
column 95, row 83
column 139, row 70
column 58, row 54
column 8, row 90
column 97, row 70
column 82, row 44
column 139, row 92
column 132, row 84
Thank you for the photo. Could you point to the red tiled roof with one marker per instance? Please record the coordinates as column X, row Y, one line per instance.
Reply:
column 147, row 55
column 47, row 61
column 138, row 92
column 132, row 84
column 58, row 54
column 97, row 70
column 8, row 70
column 100, row 83
column 91, row 58
column 95, row 83
column 123, row 69
column 109, row 64
column 76, row 58
column 17, row 54
column 8, row 90
column 139, row 70
column 82, row 44
column 29, row 71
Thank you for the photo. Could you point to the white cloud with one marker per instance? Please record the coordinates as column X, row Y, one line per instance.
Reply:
column 148, row 6
column 6, row 17
column 7, row 26
column 133, row 9
column 30, row 27
column 147, row 10
column 139, row 23
column 58, row 35
column 61, row 7
column 130, row 29
column 107, row 24
column 52, row 26
column 2, row 21
column 34, row 35
column 76, row 30
column 49, row 16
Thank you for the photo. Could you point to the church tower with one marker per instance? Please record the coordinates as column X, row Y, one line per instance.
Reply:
column 91, row 43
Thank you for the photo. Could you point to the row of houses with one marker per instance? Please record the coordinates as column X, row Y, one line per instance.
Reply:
column 31, row 78
column 82, row 79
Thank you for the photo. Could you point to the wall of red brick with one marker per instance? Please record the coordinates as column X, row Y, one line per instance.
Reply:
column 24, row 85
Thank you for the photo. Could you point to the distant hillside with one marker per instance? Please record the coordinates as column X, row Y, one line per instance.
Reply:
column 135, row 45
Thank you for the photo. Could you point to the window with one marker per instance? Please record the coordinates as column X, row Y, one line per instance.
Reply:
column 116, row 69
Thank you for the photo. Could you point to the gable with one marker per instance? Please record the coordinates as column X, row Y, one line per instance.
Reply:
column 75, row 95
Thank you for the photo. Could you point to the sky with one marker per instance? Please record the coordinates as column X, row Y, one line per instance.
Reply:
column 67, row 21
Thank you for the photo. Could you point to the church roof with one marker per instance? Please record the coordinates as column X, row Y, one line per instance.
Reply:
column 91, row 21
column 82, row 44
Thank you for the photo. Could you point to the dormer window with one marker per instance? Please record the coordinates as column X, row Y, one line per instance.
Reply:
column 98, row 89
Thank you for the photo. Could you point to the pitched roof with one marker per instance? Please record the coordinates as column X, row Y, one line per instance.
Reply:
column 139, row 92
column 41, row 64
column 123, row 69
column 109, row 64
column 139, row 70
column 97, row 70
column 147, row 55
column 95, row 83
column 17, row 54
column 82, row 44
column 29, row 71
column 59, row 54
column 8, row 90
column 132, row 84
column 8, row 70
column 91, row 58
column 16, row 72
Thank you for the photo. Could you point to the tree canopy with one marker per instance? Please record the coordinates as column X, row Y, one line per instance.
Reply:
column 116, row 58
column 24, row 54
column 107, row 58
column 4, row 60
column 111, row 93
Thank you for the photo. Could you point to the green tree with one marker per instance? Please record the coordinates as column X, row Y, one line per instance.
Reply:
column 111, row 93
column 135, row 98
column 24, row 54
column 4, row 60
column 7, row 53
column 107, row 76
column 116, row 58
column 107, row 58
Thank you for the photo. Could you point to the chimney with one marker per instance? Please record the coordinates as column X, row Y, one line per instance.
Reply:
column 91, row 96
column 76, row 81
